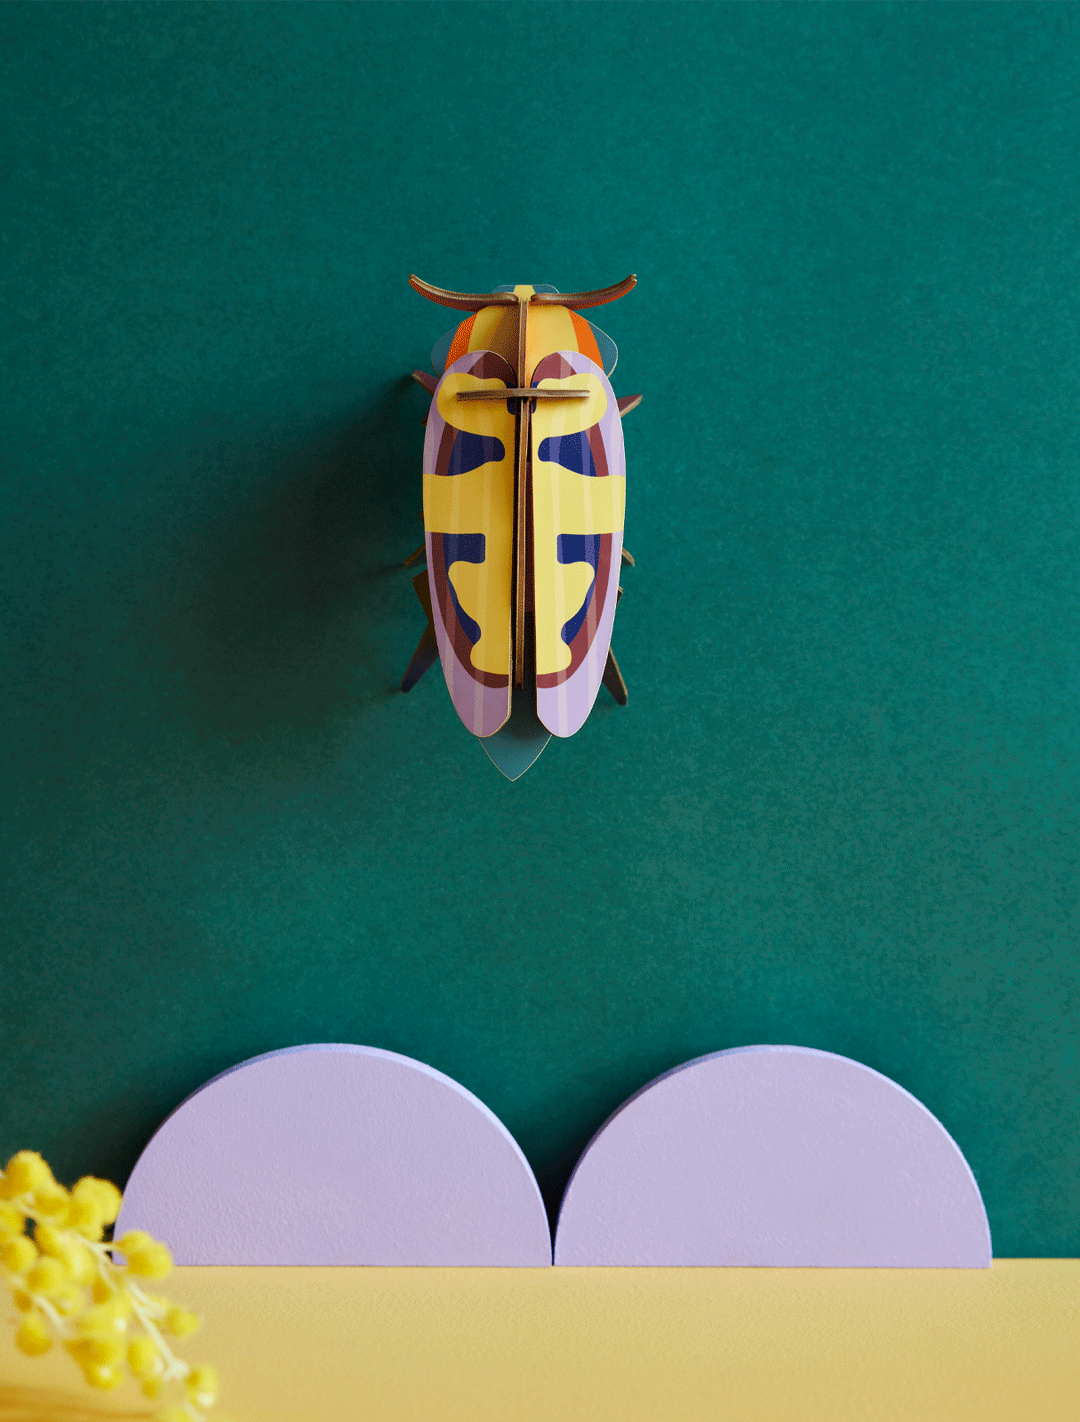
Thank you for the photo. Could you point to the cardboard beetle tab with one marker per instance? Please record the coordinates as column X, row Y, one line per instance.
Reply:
column 524, row 497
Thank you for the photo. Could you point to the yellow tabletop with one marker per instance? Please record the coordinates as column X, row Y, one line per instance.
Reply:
column 507, row 1345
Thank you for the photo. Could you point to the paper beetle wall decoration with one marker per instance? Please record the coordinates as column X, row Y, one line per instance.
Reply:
column 524, row 490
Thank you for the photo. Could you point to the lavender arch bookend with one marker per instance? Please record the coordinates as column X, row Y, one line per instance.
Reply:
column 767, row 1156
column 336, row 1154
column 773, row 1157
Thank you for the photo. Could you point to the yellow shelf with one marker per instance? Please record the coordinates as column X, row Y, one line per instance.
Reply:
column 750, row 1345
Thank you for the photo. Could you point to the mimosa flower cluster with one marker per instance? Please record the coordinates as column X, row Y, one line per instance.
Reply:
column 68, row 1287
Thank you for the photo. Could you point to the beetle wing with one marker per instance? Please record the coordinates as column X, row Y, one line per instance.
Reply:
column 578, row 496
column 469, row 521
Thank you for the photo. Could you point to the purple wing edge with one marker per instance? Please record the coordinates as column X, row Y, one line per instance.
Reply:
column 564, row 709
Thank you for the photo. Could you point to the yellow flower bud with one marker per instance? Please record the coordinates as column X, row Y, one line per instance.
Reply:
column 26, row 1172
column 52, row 1202
column 103, row 1376
column 68, row 1300
column 85, row 1223
column 46, row 1275
column 143, row 1358
column 33, row 1336
column 23, row 1299
column 18, row 1254
column 48, row 1239
column 107, row 1318
column 102, row 1290
column 132, row 1240
column 80, row 1263
column 12, row 1221
column 94, row 1201
column 101, row 1348
column 71, row 1252
column 180, row 1321
column 69, row 1249
column 151, row 1387
column 153, row 1262
column 82, row 1212
column 201, row 1386
column 104, row 1348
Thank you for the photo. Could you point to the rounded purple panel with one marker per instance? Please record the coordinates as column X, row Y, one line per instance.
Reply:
column 337, row 1154
column 773, row 1156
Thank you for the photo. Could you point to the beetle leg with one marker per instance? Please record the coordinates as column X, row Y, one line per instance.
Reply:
column 423, row 593
column 613, row 680
column 429, row 382
column 423, row 549
column 628, row 403
column 427, row 649
column 426, row 654
column 612, row 677
column 627, row 559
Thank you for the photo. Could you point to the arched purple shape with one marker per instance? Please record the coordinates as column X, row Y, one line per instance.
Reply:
column 336, row 1154
column 773, row 1156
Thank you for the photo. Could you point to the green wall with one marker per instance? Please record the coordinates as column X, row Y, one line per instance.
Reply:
column 840, row 809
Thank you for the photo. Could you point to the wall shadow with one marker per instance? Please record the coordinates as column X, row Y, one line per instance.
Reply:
column 282, row 615
column 554, row 1145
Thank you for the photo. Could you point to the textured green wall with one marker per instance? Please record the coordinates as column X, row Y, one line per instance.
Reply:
column 841, row 807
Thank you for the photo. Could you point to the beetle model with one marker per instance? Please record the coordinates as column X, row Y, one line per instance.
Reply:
column 524, row 490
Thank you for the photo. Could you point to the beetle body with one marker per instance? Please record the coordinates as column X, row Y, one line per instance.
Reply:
column 524, row 494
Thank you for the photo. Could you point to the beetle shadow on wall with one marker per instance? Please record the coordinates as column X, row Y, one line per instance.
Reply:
column 297, row 610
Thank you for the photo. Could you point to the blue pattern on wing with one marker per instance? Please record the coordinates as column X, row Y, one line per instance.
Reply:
column 579, row 548
column 472, row 450
column 463, row 548
column 571, row 451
